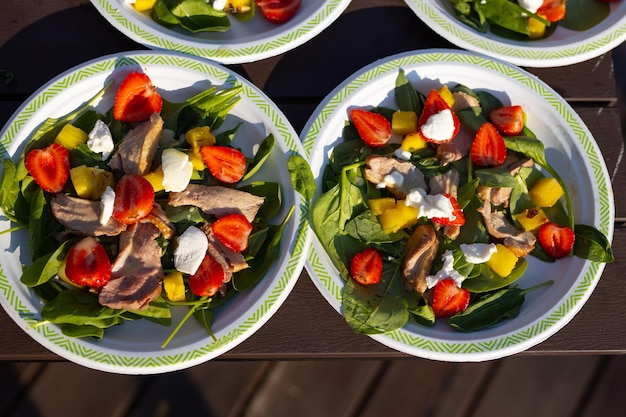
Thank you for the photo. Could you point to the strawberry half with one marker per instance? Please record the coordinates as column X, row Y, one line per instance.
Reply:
column 366, row 266
column 233, row 231
column 49, row 167
column 556, row 240
column 552, row 10
column 459, row 218
column 134, row 199
column 488, row 148
column 373, row 128
column 208, row 278
column 448, row 299
column 136, row 99
column 278, row 11
column 88, row 264
column 225, row 163
column 509, row 120
column 447, row 125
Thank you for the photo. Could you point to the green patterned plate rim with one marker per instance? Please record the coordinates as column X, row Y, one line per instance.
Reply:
column 542, row 316
column 564, row 47
column 136, row 347
column 244, row 42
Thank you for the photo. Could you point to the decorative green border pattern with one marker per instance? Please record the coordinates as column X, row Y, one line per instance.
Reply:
column 424, row 346
column 129, row 363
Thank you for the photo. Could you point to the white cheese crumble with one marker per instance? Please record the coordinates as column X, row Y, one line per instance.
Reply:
column 478, row 253
column 391, row 179
column 402, row 154
column 107, row 202
column 191, row 247
column 446, row 271
column 439, row 126
column 219, row 4
column 530, row 5
column 100, row 140
column 430, row 205
column 177, row 170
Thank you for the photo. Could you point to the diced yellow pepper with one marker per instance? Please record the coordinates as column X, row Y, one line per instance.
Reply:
column 238, row 6
column 380, row 205
column 155, row 178
column 399, row 217
column 546, row 192
column 196, row 161
column 531, row 219
column 70, row 137
column 404, row 122
column 90, row 182
column 198, row 137
column 446, row 95
column 414, row 142
column 144, row 5
column 536, row 28
column 174, row 286
column 503, row 261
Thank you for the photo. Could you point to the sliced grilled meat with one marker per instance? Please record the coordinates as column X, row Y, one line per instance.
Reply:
column 135, row 153
column 82, row 217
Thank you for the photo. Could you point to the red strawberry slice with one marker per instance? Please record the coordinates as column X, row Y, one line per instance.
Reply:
column 208, row 278
column 134, row 199
column 488, row 148
column 233, row 231
column 366, row 266
column 436, row 106
column 136, row 99
column 50, row 167
column 459, row 218
column 278, row 11
column 556, row 240
column 88, row 264
column 552, row 10
column 508, row 119
column 448, row 299
column 225, row 163
column 373, row 128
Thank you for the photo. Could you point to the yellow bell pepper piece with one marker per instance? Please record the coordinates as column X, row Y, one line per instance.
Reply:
column 144, row 5
column 399, row 217
column 198, row 137
column 90, row 182
column 414, row 142
column 174, row 286
column 404, row 122
column 196, row 160
column 546, row 192
column 503, row 261
column 380, row 205
column 446, row 95
column 531, row 219
column 70, row 137
column 536, row 28
column 155, row 178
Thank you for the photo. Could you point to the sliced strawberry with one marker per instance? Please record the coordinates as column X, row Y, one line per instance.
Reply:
column 134, row 199
column 552, row 10
column 233, row 231
column 448, row 299
column 225, row 163
column 88, row 264
column 50, row 167
column 509, row 120
column 459, row 218
column 208, row 278
column 488, row 148
column 373, row 128
column 556, row 240
column 366, row 266
column 136, row 99
column 444, row 124
column 278, row 11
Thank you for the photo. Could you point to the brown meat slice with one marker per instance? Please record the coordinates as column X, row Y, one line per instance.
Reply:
column 82, row 216
column 455, row 149
column 419, row 254
column 217, row 200
column 135, row 153
column 521, row 243
column 137, row 272
column 228, row 258
column 500, row 196
column 378, row 167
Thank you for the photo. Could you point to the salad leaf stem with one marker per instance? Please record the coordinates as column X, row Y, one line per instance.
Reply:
column 189, row 314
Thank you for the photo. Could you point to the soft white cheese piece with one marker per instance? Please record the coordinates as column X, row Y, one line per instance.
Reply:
column 439, row 126
column 478, row 253
column 177, row 170
column 219, row 4
column 106, row 205
column 446, row 271
column 391, row 179
column 402, row 154
column 191, row 247
column 430, row 205
column 530, row 5
column 100, row 140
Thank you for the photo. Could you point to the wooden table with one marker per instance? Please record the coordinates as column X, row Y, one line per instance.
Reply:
column 40, row 40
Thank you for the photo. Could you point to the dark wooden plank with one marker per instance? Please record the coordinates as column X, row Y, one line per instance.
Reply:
column 608, row 391
column 14, row 378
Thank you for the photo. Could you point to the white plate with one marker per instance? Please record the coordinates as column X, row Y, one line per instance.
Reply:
column 563, row 47
column 135, row 347
column 244, row 42
column 570, row 149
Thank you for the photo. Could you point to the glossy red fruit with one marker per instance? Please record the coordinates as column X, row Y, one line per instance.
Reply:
column 488, row 148
column 278, row 11
column 459, row 218
column 226, row 164
column 557, row 241
column 552, row 10
column 208, row 278
column 448, row 299
column 233, row 231
column 366, row 266
column 88, row 264
column 136, row 99
column 49, row 167
column 373, row 128
column 134, row 199
column 434, row 105
column 509, row 120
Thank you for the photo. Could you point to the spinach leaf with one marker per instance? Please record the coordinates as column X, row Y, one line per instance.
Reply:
column 495, row 177
column 483, row 279
column 46, row 267
column 192, row 15
column 584, row 14
column 79, row 307
column 407, row 97
column 260, row 157
column 41, row 226
column 504, row 13
column 9, row 191
column 301, row 176
column 592, row 244
column 271, row 193
column 366, row 228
